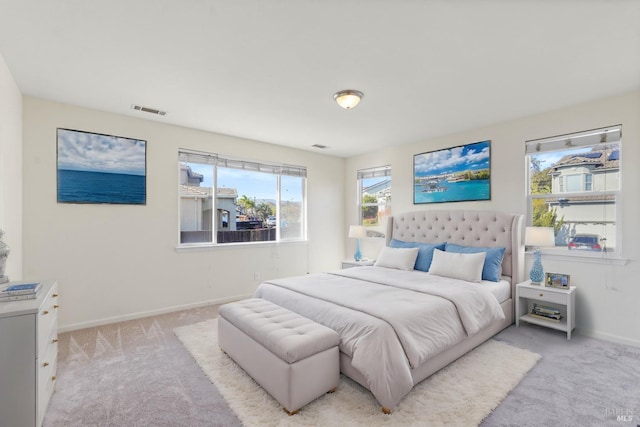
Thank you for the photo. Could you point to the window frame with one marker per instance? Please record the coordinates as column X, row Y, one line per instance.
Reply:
column 586, row 139
column 221, row 161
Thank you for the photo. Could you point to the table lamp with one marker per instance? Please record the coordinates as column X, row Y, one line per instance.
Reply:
column 357, row 232
column 538, row 237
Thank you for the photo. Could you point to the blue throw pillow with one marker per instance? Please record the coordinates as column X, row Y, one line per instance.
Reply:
column 492, row 269
column 425, row 252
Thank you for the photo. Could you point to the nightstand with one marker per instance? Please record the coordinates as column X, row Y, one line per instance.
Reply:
column 348, row 263
column 560, row 299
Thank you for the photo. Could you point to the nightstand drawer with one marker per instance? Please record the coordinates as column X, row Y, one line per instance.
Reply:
column 348, row 263
column 543, row 294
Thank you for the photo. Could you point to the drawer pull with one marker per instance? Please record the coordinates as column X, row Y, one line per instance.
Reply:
column 45, row 312
column 45, row 364
column 53, row 378
column 55, row 295
column 56, row 306
column 55, row 340
column 541, row 295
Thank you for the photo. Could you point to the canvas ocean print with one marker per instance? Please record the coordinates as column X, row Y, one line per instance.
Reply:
column 97, row 168
column 454, row 174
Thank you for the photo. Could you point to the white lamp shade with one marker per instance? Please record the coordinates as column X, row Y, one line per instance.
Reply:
column 357, row 232
column 539, row 237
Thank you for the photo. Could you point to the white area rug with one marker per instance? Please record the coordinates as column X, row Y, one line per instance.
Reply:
column 462, row 394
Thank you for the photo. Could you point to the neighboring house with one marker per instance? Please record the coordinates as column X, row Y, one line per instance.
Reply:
column 196, row 205
column 591, row 181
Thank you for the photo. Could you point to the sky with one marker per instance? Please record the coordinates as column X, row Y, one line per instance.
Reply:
column 474, row 156
column 261, row 186
column 84, row 151
column 549, row 158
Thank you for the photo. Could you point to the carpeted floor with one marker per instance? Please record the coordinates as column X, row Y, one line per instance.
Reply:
column 137, row 373
column 459, row 394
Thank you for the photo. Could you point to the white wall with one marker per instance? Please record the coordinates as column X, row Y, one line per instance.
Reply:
column 115, row 262
column 11, row 169
column 608, row 295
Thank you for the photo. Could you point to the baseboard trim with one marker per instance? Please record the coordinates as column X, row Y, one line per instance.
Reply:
column 608, row 337
column 142, row 314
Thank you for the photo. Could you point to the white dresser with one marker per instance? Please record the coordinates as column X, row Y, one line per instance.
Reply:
column 28, row 356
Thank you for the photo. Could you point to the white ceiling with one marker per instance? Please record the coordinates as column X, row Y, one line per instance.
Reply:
column 267, row 70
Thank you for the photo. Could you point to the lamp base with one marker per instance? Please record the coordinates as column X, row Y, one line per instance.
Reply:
column 537, row 272
column 358, row 255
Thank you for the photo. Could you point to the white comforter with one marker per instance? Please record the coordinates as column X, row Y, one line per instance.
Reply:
column 389, row 321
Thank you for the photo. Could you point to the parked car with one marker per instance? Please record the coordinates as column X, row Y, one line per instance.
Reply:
column 271, row 221
column 586, row 242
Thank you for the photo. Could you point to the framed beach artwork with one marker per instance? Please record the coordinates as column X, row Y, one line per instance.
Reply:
column 98, row 168
column 453, row 174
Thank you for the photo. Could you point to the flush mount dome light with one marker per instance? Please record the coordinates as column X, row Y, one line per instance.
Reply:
column 348, row 98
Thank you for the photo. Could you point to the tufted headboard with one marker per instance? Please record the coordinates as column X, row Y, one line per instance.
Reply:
column 468, row 228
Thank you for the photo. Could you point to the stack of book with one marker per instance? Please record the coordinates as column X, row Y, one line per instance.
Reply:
column 19, row 292
column 547, row 313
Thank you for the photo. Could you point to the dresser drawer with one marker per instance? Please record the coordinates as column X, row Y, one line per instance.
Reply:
column 47, row 321
column 28, row 366
column 47, row 368
column 543, row 294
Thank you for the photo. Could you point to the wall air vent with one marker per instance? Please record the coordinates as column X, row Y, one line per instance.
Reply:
column 320, row 146
column 148, row 110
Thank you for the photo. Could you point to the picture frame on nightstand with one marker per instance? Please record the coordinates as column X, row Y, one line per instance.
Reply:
column 557, row 280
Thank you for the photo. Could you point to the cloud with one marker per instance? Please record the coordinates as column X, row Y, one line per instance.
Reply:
column 86, row 151
column 451, row 160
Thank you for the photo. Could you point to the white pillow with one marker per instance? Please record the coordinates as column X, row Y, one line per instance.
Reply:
column 458, row 265
column 398, row 258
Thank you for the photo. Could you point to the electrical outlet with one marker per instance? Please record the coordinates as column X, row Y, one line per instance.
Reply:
column 256, row 275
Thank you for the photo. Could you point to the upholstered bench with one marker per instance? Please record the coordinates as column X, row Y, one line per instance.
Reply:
column 293, row 358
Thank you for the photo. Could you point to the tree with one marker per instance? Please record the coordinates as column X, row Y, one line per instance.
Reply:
column 264, row 210
column 247, row 204
column 535, row 164
column 541, row 184
column 545, row 217
column 540, row 181
column 369, row 213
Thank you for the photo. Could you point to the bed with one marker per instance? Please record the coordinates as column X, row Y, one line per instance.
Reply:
column 398, row 326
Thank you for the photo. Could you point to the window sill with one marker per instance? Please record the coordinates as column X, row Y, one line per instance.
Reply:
column 205, row 247
column 581, row 256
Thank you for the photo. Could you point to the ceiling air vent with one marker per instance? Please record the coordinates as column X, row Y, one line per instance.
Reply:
column 148, row 110
column 320, row 146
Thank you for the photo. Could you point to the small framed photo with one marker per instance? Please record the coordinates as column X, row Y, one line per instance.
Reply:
column 557, row 280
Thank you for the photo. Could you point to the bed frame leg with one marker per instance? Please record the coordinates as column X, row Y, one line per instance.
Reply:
column 332, row 390
column 290, row 412
column 386, row 410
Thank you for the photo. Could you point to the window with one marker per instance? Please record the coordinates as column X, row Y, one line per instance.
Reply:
column 574, row 186
column 587, row 182
column 224, row 200
column 574, row 183
column 374, row 200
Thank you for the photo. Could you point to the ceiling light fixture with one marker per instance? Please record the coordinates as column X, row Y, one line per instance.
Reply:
column 348, row 98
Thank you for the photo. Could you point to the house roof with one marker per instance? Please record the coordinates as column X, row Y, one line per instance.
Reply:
column 597, row 158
